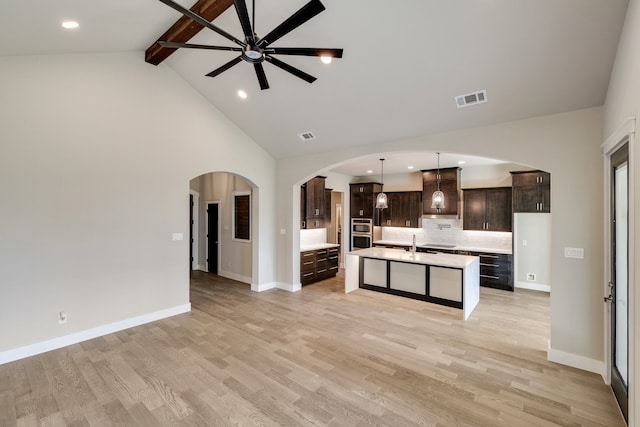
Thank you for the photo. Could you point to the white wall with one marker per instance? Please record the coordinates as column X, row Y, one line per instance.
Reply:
column 532, row 250
column 567, row 145
column 96, row 154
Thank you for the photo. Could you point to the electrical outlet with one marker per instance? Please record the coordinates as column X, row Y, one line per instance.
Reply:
column 531, row 277
column 62, row 317
column 524, row 243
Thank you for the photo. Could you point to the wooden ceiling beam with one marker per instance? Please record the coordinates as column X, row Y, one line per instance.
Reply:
column 184, row 29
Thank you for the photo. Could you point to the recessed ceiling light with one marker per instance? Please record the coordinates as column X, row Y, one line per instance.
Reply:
column 409, row 167
column 461, row 162
column 326, row 59
column 369, row 171
column 242, row 94
column 70, row 25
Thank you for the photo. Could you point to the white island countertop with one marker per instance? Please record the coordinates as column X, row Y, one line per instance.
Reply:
column 439, row 259
column 450, row 247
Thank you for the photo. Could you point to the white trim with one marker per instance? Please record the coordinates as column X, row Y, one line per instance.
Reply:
column 614, row 140
column 624, row 134
column 289, row 287
column 576, row 361
column 533, row 286
column 263, row 287
column 63, row 341
column 234, row 276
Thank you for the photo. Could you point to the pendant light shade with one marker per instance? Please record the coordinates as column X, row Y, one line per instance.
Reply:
column 437, row 199
column 381, row 199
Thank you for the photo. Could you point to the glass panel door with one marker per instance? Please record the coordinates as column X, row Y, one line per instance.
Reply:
column 619, row 280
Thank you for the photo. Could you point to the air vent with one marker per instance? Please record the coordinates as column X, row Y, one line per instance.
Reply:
column 471, row 99
column 306, row 136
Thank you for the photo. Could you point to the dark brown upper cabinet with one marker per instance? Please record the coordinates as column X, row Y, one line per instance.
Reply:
column 531, row 191
column 487, row 209
column 404, row 209
column 312, row 203
column 449, row 185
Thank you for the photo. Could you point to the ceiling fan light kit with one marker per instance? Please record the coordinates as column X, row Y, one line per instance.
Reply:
column 256, row 50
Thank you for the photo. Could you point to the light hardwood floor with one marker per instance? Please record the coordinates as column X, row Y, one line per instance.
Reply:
column 315, row 357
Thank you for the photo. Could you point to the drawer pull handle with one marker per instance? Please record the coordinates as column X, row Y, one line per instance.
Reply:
column 308, row 274
column 490, row 265
column 308, row 263
column 321, row 271
column 490, row 277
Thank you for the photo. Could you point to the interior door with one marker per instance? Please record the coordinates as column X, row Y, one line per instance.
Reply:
column 618, row 284
column 212, row 238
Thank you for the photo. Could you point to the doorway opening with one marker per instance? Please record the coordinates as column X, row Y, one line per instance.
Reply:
column 216, row 248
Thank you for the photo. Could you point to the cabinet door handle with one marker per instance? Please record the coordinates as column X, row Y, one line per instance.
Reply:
column 490, row 265
column 490, row 277
column 308, row 274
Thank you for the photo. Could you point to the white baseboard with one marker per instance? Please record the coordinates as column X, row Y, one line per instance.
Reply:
column 263, row 287
column 576, row 361
column 63, row 341
column 234, row 276
column 201, row 267
column 533, row 286
column 289, row 287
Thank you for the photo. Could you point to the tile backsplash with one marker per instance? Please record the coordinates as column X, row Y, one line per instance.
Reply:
column 313, row 237
column 448, row 231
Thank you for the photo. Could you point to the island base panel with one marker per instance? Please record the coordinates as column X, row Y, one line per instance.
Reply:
column 445, row 283
column 408, row 277
column 375, row 272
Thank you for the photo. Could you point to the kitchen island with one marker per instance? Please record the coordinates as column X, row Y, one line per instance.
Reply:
column 445, row 279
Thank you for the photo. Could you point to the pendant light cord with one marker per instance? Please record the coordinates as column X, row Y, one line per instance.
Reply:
column 438, row 177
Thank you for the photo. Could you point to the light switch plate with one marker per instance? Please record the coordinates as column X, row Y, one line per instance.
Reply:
column 574, row 253
column 176, row 236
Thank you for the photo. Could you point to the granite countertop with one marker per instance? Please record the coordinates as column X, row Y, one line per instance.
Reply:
column 437, row 246
column 440, row 259
column 318, row 246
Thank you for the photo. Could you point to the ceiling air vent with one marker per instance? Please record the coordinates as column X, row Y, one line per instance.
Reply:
column 471, row 99
column 306, row 136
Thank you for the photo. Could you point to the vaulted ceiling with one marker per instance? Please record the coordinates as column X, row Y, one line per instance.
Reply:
column 404, row 61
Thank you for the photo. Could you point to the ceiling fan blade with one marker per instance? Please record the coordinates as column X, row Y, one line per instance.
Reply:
column 200, row 20
column 304, row 51
column 293, row 70
column 305, row 13
column 198, row 46
column 225, row 67
column 243, row 16
column 262, row 77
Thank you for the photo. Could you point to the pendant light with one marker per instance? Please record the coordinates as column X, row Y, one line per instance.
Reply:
column 437, row 199
column 381, row 199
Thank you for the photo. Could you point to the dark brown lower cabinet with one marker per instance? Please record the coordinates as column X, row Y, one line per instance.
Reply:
column 319, row 264
column 496, row 270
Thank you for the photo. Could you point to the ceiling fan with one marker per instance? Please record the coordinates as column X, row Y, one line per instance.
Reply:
column 255, row 50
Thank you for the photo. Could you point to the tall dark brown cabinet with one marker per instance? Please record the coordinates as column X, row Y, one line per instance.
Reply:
column 363, row 201
column 312, row 203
